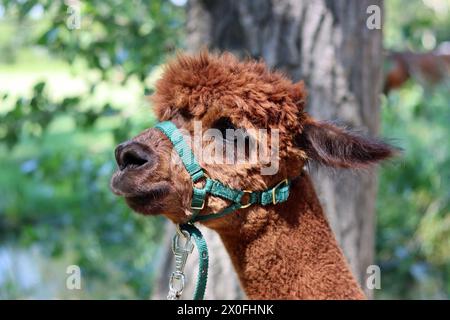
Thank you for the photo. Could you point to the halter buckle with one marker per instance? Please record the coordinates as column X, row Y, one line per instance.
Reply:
column 201, row 190
column 249, row 203
column 199, row 208
column 274, row 199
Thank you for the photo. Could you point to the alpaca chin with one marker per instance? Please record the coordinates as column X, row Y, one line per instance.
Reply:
column 145, row 205
column 148, row 201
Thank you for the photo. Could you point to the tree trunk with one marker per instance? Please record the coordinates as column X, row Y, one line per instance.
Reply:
column 328, row 45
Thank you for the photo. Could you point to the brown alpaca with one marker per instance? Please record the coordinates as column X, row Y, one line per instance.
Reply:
column 281, row 251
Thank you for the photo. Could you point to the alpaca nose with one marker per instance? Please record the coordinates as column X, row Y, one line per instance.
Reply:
column 132, row 155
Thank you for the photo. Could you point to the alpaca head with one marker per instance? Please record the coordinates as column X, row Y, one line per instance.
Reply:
column 248, row 129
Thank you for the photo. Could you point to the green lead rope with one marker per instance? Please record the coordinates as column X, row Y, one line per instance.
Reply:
column 274, row 195
column 203, row 260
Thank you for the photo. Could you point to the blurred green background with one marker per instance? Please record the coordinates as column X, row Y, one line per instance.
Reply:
column 67, row 97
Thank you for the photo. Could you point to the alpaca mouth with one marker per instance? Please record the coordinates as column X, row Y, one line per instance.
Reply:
column 123, row 186
column 156, row 193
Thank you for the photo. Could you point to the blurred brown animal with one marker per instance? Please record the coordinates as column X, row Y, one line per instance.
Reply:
column 429, row 68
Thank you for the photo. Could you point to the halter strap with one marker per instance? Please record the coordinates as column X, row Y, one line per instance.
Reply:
column 187, row 156
column 274, row 195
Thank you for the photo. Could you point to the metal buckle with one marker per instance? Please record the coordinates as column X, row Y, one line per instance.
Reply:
column 243, row 206
column 205, row 177
column 274, row 200
column 182, row 247
column 199, row 208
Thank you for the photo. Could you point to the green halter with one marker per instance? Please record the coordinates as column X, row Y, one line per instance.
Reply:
column 274, row 195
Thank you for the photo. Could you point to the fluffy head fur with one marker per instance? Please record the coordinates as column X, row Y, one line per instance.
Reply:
column 209, row 87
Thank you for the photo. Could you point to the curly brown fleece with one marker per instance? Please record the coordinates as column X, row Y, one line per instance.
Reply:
column 282, row 251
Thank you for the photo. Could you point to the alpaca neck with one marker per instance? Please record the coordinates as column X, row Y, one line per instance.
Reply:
column 288, row 251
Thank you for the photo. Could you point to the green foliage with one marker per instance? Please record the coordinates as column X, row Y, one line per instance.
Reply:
column 127, row 36
column 413, row 238
column 416, row 25
column 413, row 207
column 57, row 152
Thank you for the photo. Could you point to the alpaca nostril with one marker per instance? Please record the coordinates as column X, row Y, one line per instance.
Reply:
column 132, row 155
column 130, row 158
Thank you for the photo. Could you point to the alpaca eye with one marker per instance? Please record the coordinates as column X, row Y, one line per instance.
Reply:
column 186, row 114
column 222, row 125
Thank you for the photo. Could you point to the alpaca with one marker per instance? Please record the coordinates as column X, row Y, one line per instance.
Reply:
column 279, row 251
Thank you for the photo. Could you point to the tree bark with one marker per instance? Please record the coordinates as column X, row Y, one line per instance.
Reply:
column 327, row 44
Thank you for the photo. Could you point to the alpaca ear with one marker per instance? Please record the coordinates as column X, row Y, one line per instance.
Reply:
column 336, row 147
